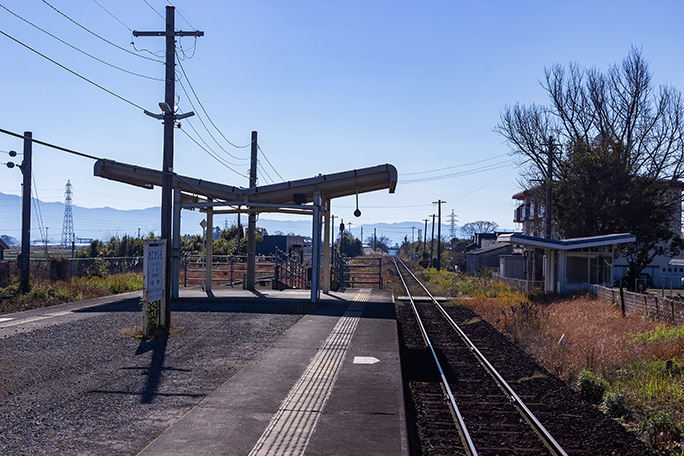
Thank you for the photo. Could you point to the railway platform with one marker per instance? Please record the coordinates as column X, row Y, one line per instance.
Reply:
column 330, row 385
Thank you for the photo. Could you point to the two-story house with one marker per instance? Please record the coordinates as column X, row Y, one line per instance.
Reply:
column 530, row 214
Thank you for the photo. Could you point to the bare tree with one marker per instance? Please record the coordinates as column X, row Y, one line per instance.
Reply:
column 620, row 106
column 616, row 121
column 480, row 226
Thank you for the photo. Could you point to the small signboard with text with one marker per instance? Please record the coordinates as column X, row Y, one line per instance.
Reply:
column 154, row 274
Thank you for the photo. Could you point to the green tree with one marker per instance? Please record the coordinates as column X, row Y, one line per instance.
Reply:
column 410, row 250
column 349, row 246
column 578, row 212
column 457, row 253
column 92, row 251
column 191, row 244
column 381, row 243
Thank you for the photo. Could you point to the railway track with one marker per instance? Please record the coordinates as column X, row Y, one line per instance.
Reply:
column 488, row 415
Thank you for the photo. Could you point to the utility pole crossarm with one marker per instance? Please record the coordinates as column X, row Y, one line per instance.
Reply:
column 136, row 33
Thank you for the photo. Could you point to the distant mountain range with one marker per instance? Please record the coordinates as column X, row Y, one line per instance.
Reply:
column 105, row 222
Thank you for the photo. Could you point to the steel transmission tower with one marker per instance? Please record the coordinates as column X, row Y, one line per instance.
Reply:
column 452, row 224
column 68, row 235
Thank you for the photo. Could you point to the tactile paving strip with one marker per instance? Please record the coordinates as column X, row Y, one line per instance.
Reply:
column 291, row 427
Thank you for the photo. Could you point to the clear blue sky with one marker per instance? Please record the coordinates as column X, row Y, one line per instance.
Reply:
column 329, row 86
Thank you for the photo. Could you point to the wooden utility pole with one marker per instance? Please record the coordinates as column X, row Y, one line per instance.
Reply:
column 25, row 263
column 251, row 224
column 432, row 241
column 424, row 236
column 549, row 176
column 439, row 232
column 169, row 117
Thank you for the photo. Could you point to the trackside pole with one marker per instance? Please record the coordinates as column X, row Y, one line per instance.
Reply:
column 316, row 249
column 326, row 247
column 25, row 263
column 210, row 248
column 175, row 260
column 251, row 221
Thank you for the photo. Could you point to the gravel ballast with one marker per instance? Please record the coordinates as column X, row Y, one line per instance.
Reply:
column 581, row 428
column 89, row 387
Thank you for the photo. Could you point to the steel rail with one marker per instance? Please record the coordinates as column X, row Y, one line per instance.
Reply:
column 462, row 430
column 541, row 431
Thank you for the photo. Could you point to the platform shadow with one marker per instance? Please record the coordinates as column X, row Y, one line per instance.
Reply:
column 156, row 367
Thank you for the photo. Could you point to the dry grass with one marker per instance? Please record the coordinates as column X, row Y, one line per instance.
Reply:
column 595, row 335
column 586, row 333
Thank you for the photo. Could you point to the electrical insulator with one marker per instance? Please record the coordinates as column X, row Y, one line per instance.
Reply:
column 10, row 165
column 12, row 153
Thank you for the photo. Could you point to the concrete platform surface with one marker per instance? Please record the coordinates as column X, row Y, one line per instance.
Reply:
column 331, row 385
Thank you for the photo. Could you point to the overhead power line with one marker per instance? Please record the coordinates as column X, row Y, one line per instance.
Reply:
column 269, row 162
column 152, row 8
column 160, row 15
column 496, row 177
column 117, row 19
column 100, row 37
column 192, row 89
column 181, row 15
column 73, row 72
column 264, row 172
column 468, row 172
column 182, row 50
column 205, row 125
column 180, row 64
column 205, row 142
column 218, row 159
column 455, row 166
column 36, row 208
column 46, row 144
column 78, row 49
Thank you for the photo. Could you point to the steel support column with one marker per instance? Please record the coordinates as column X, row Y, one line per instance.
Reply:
column 210, row 247
column 326, row 247
column 316, row 249
column 175, row 260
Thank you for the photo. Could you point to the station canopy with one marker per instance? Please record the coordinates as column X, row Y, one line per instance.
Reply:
column 567, row 244
column 295, row 192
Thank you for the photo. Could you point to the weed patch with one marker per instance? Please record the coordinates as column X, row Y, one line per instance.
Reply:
column 46, row 293
column 592, row 386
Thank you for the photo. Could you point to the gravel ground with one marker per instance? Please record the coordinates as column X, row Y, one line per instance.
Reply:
column 85, row 387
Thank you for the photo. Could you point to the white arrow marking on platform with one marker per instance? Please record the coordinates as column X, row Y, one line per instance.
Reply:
column 365, row 360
